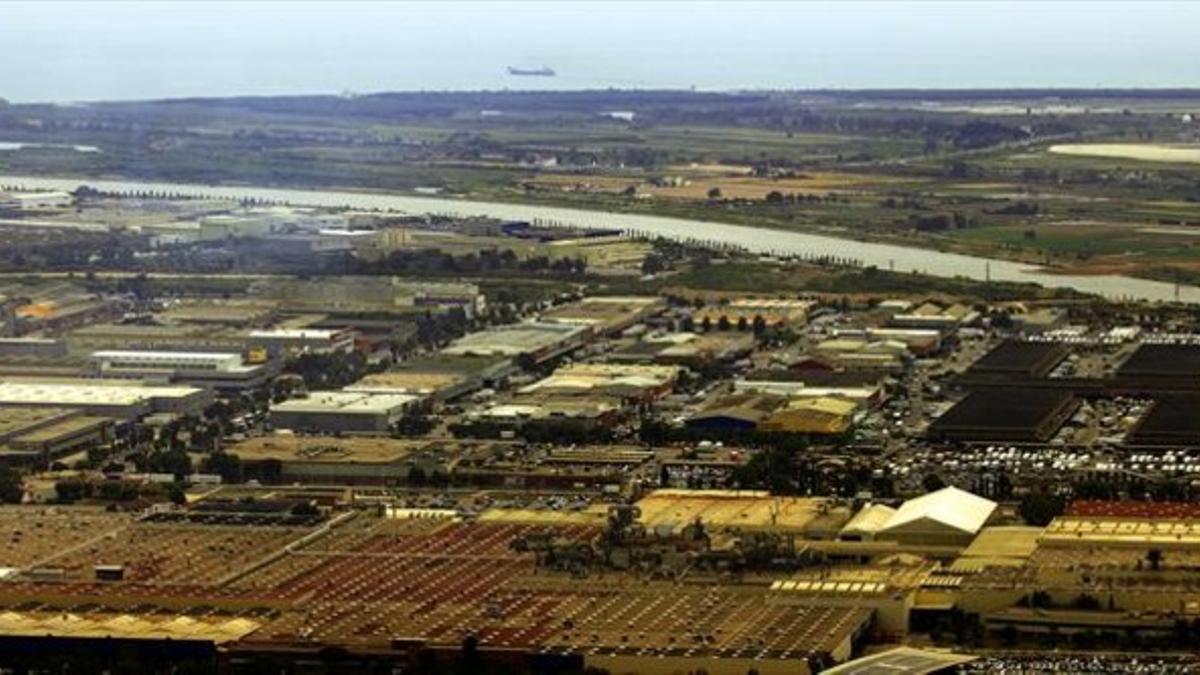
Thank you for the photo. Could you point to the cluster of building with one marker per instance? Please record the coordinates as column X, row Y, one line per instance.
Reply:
column 398, row 475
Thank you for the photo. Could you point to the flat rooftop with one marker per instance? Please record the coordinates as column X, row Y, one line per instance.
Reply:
column 747, row 509
column 1163, row 361
column 63, row 428
column 514, row 339
column 602, row 310
column 1172, row 420
column 588, row 377
column 1015, row 357
column 406, row 381
column 321, row 449
column 345, row 403
column 1006, row 414
column 78, row 394
column 14, row 420
column 296, row 334
column 999, row 546
column 429, row 373
column 180, row 356
column 1075, row 531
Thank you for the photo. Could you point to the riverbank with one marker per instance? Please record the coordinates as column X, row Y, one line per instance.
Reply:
column 754, row 239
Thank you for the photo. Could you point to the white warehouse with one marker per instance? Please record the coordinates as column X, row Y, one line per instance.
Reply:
column 216, row 370
column 123, row 360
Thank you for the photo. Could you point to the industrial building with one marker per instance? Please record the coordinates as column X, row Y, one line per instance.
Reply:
column 921, row 342
column 239, row 313
column 597, row 410
column 947, row 517
column 821, row 416
column 293, row 341
column 336, row 461
column 36, row 201
column 631, row 383
column 530, row 343
column 863, row 352
column 746, row 311
column 342, row 412
column 1016, row 358
column 38, row 435
column 1041, row 320
column 933, row 316
column 121, row 401
column 41, row 348
column 686, row 348
column 864, row 387
column 157, row 337
column 368, row 294
column 217, row 370
column 670, row 510
column 1162, row 361
column 1010, row 414
column 867, row 522
column 737, row 412
column 606, row 315
column 1173, row 420
column 438, row 376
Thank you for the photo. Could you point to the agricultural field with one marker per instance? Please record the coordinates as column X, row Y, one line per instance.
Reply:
column 1142, row 152
column 1013, row 176
column 685, row 183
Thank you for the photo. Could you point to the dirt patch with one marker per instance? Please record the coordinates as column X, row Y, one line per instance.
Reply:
column 695, row 186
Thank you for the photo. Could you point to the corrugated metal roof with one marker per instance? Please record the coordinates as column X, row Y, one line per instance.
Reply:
column 870, row 518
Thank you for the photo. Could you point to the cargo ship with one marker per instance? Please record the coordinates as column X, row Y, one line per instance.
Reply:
column 531, row 72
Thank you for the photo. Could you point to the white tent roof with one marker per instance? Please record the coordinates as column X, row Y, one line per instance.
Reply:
column 949, row 506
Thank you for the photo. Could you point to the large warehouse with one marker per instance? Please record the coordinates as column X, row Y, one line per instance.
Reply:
column 1173, row 420
column 340, row 461
column 1017, row 358
column 219, row 370
column 40, row 435
column 530, row 342
column 342, row 411
column 1013, row 415
column 122, row 401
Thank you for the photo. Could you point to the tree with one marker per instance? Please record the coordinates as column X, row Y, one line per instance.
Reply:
column 225, row 465
column 305, row 509
column 69, row 491
column 413, row 423
column 932, row 482
column 11, row 486
column 1039, row 508
column 760, row 325
column 176, row 494
column 175, row 462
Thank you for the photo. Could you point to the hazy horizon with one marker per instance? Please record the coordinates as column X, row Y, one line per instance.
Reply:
column 75, row 51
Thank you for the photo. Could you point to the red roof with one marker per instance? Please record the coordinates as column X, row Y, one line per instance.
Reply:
column 1135, row 509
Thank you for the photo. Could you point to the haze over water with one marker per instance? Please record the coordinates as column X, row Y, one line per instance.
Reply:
column 94, row 51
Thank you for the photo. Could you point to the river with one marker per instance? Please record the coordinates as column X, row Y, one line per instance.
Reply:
column 754, row 239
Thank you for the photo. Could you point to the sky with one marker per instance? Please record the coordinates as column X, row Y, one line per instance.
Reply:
column 90, row 50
